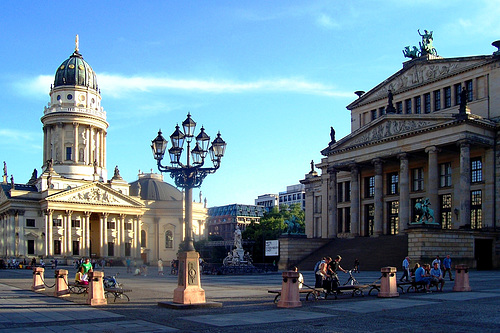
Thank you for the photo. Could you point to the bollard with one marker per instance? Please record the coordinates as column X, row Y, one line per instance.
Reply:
column 290, row 291
column 38, row 279
column 461, row 278
column 62, row 289
column 388, row 284
column 96, row 289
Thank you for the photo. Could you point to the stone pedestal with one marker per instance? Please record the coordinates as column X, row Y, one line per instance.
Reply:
column 96, row 289
column 62, row 289
column 388, row 283
column 189, row 289
column 38, row 278
column 290, row 291
column 461, row 278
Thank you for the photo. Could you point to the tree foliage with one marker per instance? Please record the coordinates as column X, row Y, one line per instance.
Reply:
column 271, row 226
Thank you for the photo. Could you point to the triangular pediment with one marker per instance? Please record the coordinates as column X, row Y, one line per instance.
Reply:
column 94, row 194
column 390, row 127
column 418, row 72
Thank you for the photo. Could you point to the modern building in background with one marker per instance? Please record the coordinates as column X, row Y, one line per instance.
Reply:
column 422, row 159
column 267, row 200
column 294, row 194
column 222, row 220
column 71, row 209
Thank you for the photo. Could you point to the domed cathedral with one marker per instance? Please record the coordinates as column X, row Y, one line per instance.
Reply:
column 71, row 210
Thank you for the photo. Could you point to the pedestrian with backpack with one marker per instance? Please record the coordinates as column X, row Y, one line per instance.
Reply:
column 317, row 273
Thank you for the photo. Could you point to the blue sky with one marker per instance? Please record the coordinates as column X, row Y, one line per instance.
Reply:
column 271, row 76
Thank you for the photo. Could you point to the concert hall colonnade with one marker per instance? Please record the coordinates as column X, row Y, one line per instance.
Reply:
column 425, row 138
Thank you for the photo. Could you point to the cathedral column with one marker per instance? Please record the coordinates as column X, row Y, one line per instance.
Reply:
column 355, row 199
column 11, row 233
column 69, row 240
column 404, row 192
column 62, row 136
column 101, row 148
column 379, row 228
column 105, row 234
column 120, row 233
column 332, row 223
column 96, row 147
column 45, row 140
column 21, row 223
column 104, row 137
column 75, row 143
column 88, row 157
column 137, row 235
column 465, row 182
column 86, row 238
column 48, row 233
column 433, row 181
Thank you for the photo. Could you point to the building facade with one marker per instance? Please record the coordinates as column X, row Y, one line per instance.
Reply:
column 71, row 209
column 222, row 220
column 422, row 159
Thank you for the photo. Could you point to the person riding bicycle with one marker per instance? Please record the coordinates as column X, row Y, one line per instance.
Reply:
column 333, row 267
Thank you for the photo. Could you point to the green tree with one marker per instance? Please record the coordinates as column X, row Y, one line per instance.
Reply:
column 271, row 226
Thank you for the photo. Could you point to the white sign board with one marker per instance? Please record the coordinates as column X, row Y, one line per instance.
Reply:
column 272, row 248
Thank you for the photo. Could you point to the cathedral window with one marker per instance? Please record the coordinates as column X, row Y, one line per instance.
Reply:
column 111, row 224
column 408, row 106
column 445, row 175
column 470, row 91
column 143, row 238
column 399, row 107
column 458, row 90
column 30, row 223
column 128, row 249
column 68, row 154
column 169, row 240
column 57, row 223
column 446, row 211
column 418, row 105
column 392, row 183
column 69, row 97
column 57, row 246
column 370, row 187
column 418, row 179
column 75, row 223
column 111, row 249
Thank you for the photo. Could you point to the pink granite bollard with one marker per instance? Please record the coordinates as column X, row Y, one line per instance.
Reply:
column 290, row 291
column 62, row 289
column 96, row 289
column 38, row 278
column 461, row 278
column 388, row 284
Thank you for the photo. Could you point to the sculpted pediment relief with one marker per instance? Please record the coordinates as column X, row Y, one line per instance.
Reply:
column 94, row 194
column 384, row 130
column 417, row 74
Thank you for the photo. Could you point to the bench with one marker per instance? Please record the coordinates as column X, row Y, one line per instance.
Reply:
column 77, row 288
column 376, row 286
column 312, row 293
column 117, row 293
column 355, row 289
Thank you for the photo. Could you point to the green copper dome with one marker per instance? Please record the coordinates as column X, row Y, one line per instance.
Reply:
column 75, row 71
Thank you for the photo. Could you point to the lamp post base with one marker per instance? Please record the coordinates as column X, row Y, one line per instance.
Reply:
column 189, row 289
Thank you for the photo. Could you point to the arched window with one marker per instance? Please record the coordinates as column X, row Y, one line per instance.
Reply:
column 143, row 238
column 169, row 239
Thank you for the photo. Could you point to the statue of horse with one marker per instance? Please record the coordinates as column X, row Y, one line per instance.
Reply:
column 293, row 226
column 425, row 212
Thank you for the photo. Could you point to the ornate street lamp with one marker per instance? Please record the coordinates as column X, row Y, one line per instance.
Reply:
column 188, row 176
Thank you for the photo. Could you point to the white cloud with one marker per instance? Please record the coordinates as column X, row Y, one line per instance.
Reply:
column 327, row 22
column 119, row 85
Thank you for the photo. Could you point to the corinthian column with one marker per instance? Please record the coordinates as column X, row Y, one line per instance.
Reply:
column 332, row 224
column 379, row 227
column 355, row 200
column 404, row 192
column 465, row 181
column 433, row 181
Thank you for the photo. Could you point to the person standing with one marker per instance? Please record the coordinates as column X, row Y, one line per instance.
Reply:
column 333, row 267
column 437, row 260
column 447, row 266
column 129, row 263
column 317, row 273
column 406, row 269
column 160, row 267
column 356, row 265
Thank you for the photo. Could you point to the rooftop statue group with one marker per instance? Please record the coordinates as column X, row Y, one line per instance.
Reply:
column 425, row 45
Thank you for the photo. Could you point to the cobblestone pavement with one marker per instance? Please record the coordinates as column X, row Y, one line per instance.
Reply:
column 247, row 306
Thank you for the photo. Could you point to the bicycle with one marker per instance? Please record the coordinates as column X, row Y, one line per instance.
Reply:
column 110, row 281
column 351, row 280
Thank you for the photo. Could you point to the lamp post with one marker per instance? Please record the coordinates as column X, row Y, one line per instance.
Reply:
column 188, row 176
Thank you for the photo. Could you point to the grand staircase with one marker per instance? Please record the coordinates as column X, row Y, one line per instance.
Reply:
column 373, row 253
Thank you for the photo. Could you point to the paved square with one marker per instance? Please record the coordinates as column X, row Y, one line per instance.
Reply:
column 375, row 305
column 456, row 296
column 256, row 317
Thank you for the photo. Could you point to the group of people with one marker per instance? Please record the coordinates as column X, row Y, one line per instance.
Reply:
column 428, row 274
column 325, row 272
column 81, row 276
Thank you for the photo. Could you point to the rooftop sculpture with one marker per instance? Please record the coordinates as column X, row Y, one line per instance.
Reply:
column 425, row 45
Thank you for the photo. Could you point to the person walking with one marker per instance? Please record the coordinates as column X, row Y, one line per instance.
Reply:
column 160, row 267
column 447, row 267
column 406, row 269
